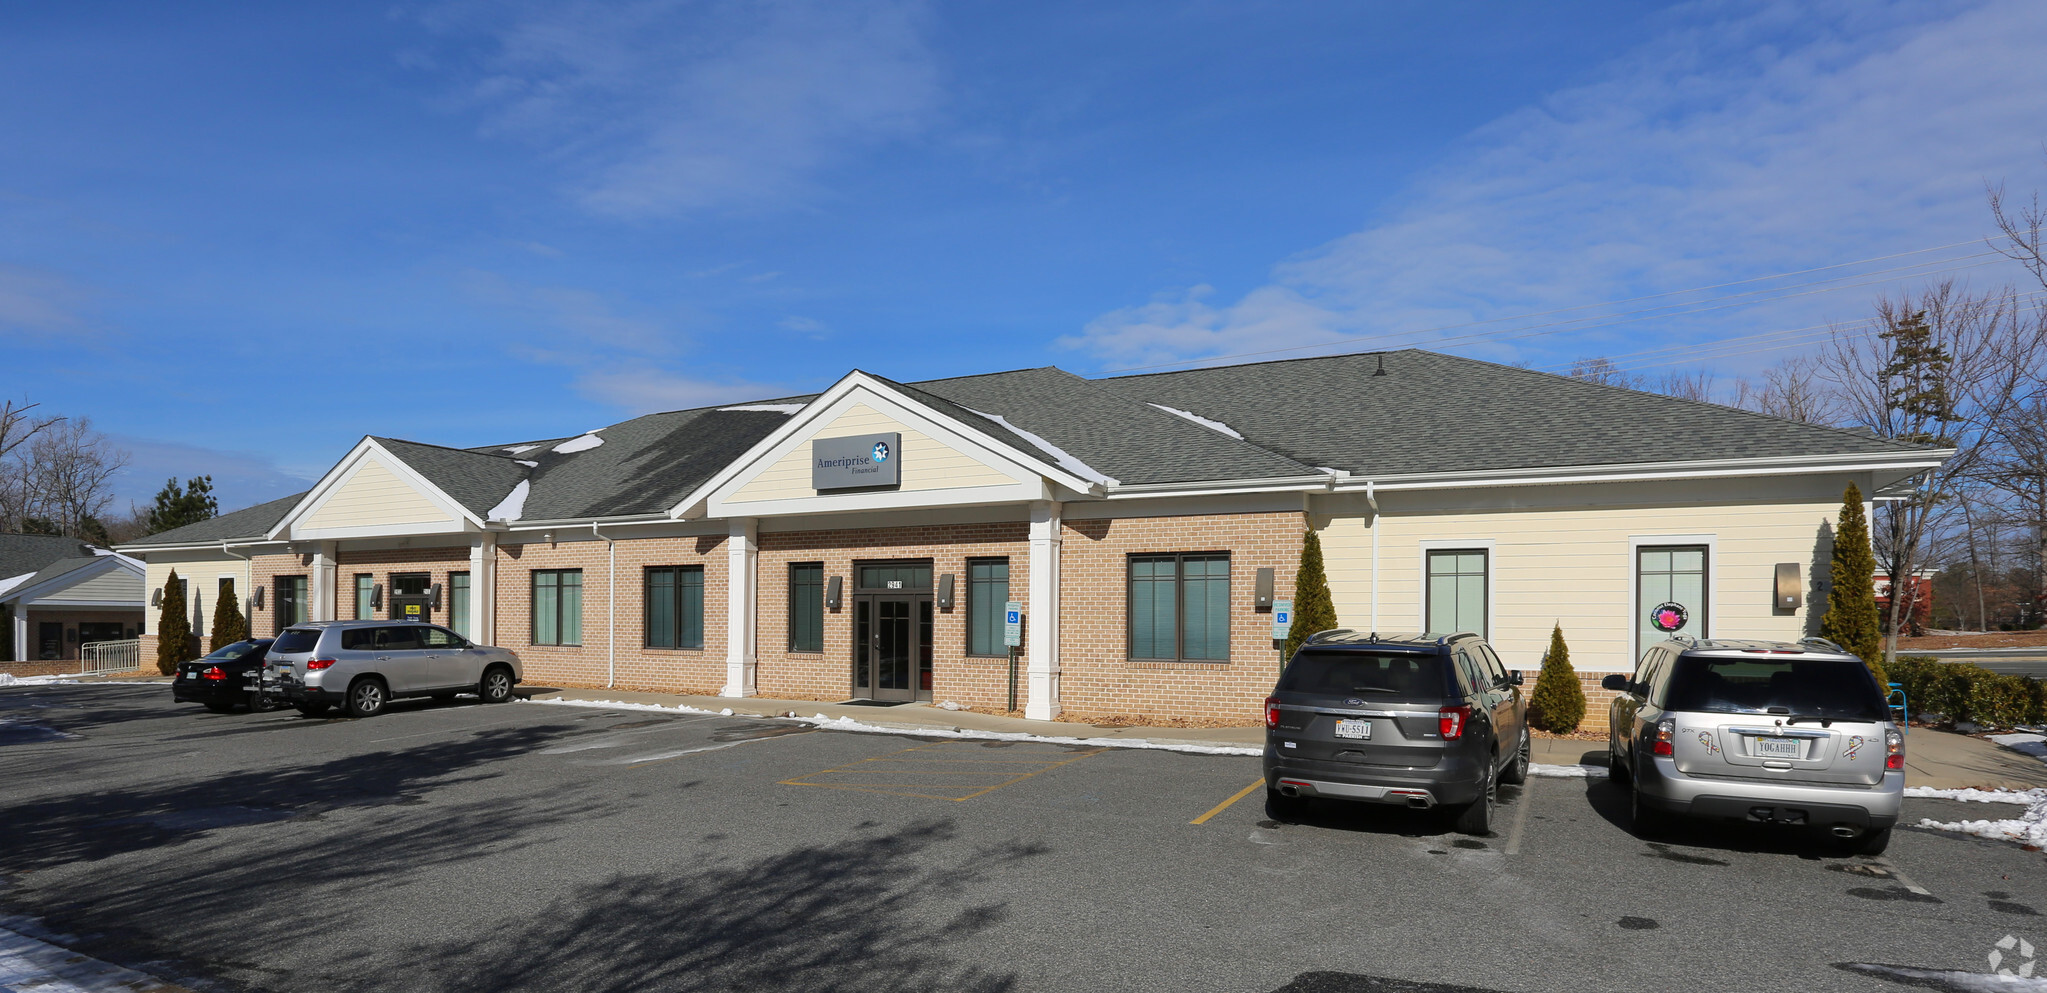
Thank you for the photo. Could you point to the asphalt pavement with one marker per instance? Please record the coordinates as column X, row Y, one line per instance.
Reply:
column 534, row 847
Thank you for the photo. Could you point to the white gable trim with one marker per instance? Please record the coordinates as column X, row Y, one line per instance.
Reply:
column 858, row 386
column 345, row 470
column 29, row 595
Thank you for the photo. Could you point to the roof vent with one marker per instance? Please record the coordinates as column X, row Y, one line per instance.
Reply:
column 1382, row 365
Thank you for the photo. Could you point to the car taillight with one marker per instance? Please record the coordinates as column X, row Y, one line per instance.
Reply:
column 1894, row 750
column 1666, row 732
column 1272, row 711
column 315, row 665
column 1451, row 720
column 213, row 672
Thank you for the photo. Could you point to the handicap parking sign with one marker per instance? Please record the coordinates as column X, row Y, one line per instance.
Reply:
column 1012, row 623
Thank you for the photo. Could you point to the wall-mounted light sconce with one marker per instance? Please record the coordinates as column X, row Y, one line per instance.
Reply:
column 1788, row 592
column 256, row 598
column 433, row 597
column 376, row 596
column 547, row 536
column 156, row 597
column 945, row 592
column 1263, row 594
column 832, row 590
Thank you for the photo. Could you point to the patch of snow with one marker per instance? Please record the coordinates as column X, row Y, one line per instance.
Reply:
column 949, row 705
column 1198, row 419
column 67, row 679
column 2029, row 828
column 511, row 506
column 2031, row 744
column 1567, row 771
column 1065, row 461
column 770, row 408
column 521, row 449
column 14, row 581
column 580, row 443
column 1953, row 980
column 529, row 465
column 1973, row 795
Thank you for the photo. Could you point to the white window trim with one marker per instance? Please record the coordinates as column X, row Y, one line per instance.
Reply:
column 1635, row 545
column 1492, row 588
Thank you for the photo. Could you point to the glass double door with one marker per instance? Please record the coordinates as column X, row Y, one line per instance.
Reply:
column 892, row 648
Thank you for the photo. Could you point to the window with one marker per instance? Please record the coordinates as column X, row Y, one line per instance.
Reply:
column 397, row 638
column 291, row 601
column 806, row 606
column 1457, row 591
column 675, row 607
column 1670, row 574
column 987, row 595
column 365, row 589
column 896, row 576
column 1180, row 607
column 557, row 606
column 458, row 602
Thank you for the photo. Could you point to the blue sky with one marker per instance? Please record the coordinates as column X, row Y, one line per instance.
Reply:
column 240, row 236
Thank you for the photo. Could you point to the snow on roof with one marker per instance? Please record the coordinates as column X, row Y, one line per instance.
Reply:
column 772, row 408
column 512, row 505
column 580, row 443
column 1198, row 419
column 11, row 582
column 1066, row 462
column 523, row 449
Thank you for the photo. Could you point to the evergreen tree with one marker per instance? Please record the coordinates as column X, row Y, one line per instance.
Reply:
column 229, row 626
column 1314, row 608
column 177, row 506
column 1558, row 703
column 1851, row 619
column 173, row 628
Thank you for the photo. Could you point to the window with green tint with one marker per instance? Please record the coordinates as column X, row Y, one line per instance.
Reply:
column 1457, row 591
column 1180, row 607
column 1670, row 574
column 987, row 594
column 806, row 607
column 365, row 588
column 896, row 576
column 558, row 606
column 458, row 603
column 291, row 603
column 674, row 607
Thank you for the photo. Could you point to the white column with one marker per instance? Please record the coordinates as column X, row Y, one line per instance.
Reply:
column 20, row 632
column 1041, row 634
column 483, row 588
column 742, row 586
column 322, row 582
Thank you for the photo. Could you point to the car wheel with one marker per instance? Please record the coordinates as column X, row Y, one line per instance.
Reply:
column 1517, row 770
column 1616, row 768
column 366, row 697
column 1870, row 842
column 1647, row 820
column 496, row 686
column 1477, row 818
column 260, row 704
column 310, row 709
column 220, row 708
column 1281, row 807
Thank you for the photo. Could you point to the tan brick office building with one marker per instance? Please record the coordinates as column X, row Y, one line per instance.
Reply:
column 860, row 543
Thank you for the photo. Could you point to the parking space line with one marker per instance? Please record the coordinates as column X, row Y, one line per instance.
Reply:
column 1513, row 845
column 1225, row 805
column 896, row 766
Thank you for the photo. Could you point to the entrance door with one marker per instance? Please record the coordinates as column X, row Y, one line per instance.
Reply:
column 409, row 599
column 891, row 648
column 50, row 639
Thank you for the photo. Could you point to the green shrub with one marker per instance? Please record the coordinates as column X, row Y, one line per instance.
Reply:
column 1558, row 703
column 2000, row 700
column 1958, row 691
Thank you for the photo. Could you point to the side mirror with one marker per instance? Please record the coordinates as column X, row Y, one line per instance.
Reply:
column 1515, row 677
column 1615, row 682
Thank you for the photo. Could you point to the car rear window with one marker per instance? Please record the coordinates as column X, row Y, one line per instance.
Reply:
column 1391, row 676
column 294, row 640
column 1830, row 688
column 234, row 651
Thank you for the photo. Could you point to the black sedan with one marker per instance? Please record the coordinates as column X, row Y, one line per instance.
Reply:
column 225, row 679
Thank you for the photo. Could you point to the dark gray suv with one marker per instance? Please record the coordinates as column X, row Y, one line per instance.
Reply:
column 1421, row 721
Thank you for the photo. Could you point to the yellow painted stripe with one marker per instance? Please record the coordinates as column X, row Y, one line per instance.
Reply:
column 1225, row 805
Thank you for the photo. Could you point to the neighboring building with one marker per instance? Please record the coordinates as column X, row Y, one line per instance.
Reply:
column 65, row 595
column 861, row 543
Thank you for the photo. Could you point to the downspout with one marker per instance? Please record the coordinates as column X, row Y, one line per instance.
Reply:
column 1372, row 499
column 248, row 582
column 611, row 606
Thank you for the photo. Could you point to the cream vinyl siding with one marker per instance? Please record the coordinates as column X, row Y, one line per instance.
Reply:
column 374, row 495
column 927, row 463
column 1575, row 565
column 201, row 576
column 114, row 584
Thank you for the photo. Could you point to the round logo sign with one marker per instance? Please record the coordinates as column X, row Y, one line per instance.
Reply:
column 1669, row 616
column 881, row 451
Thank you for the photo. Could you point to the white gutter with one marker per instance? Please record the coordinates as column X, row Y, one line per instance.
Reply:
column 248, row 581
column 1655, row 470
column 1319, row 482
column 1372, row 498
column 611, row 605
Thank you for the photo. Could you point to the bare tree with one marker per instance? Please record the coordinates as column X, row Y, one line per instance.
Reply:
column 1686, row 385
column 1600, row 369
column 67, row 476
column 2022, row 227
column 1792, row 389
column 17, row 428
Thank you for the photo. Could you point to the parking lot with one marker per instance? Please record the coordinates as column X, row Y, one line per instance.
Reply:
column 527, row 846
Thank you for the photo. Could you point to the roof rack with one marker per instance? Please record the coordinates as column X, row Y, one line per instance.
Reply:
column 1823, row 643
column 1455, row 636
column 1327, row 635
column 1684, row 639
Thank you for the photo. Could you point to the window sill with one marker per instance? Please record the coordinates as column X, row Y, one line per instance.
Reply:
column 803, row 651
column 557, row 644
column 666, row 648
column 1206, row 664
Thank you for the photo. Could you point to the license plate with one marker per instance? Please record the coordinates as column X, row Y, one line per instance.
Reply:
column 191, row 675
column 1785, row 748
column 1353, row 729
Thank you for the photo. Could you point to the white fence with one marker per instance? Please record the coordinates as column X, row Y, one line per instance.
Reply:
column 110, row 656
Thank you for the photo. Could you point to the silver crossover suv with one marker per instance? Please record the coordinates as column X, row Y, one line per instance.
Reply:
column 363, row 665
column 1759, row 731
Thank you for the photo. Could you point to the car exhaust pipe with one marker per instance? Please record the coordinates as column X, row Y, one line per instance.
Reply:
column 1418, row 802
column 1844, row 831
column 1289, row 790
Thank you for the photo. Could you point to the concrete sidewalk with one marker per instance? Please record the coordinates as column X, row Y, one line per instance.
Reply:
column 1937, row 759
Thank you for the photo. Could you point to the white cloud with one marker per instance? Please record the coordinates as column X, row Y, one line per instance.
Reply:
column 1760, row 143
column 585, row 314
column 664, row 107
column 804, row 325
column 38, row 303
column 646, row 390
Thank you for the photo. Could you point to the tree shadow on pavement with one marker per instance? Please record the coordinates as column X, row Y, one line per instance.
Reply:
column 868, row 913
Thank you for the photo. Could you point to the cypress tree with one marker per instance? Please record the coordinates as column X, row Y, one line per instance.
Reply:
column 1314, row 608
column 1558, row 704
column 229, row 626
column 173, row 628
column 1851, row 619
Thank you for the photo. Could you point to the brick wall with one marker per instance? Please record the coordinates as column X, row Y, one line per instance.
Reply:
column 1097, row 678
column 53, row 667
column 264, row 570
column 437, row 563
column 828, row 675
column 681, row 670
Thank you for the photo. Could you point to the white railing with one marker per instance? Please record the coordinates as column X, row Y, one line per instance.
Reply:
column 110, row 656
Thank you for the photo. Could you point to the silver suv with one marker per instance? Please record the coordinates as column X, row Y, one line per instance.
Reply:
column 364, row 665
column 1759, row 731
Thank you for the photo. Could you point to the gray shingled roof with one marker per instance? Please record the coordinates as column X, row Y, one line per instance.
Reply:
column 473, row 479
column 22, row 554
column 645, row 465
column 59, row 568
column 1442, row 413
column 248, row 522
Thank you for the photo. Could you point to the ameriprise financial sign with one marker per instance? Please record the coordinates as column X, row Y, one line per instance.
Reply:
column 859, row 461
